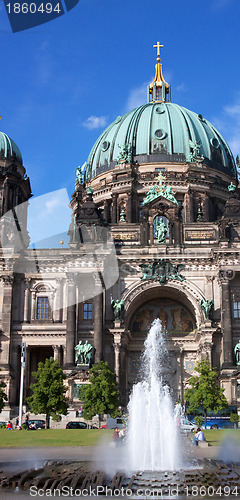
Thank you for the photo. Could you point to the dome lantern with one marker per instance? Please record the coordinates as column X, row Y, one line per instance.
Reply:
column 159, row 90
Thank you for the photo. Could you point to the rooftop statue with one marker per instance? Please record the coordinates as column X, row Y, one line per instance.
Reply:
column 125, row 154
column 80, row 171
column 160, row 190
column 194, row 155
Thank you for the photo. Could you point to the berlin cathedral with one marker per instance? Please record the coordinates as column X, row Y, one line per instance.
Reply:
column 155, row 233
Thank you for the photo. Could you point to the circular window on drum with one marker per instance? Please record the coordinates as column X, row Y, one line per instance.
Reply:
column 160, row 134
column 105, row 145
column 214, row 142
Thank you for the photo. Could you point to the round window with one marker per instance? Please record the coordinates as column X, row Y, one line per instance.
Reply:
column 105, row 145
column 160, row 110
column 214, row 142
column 160, row 134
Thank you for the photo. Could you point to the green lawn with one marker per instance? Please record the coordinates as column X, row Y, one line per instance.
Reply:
column 214, row 436
column 83, row 437
column 53, row 437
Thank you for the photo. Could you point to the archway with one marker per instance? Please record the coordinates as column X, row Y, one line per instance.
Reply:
column 179, row 310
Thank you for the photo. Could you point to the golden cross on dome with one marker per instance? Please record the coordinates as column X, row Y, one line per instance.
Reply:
column 160, row 178
column 158, row 46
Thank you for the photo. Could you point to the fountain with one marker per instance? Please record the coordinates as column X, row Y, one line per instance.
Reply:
column 152, row 439
column 150, row 463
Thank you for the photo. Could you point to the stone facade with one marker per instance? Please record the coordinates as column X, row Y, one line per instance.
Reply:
column 150, row 282
column 53, row 298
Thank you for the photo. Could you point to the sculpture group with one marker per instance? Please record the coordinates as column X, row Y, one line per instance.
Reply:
column 83, row 355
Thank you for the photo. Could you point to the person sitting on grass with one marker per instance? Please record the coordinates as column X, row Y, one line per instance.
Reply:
column 199, row 436
column 9, row 426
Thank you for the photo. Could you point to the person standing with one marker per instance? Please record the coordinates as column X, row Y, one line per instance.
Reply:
column 27, row 421
column 199, row 436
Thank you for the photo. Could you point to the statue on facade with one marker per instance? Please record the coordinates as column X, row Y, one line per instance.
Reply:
column 162, row 270
column 161, row 229
column 125, row 154
column 79, row 353
column 122, row 216
column 152, row 193
column 237, row 353
column 168, row 193
column 118, row 307
column 83, row 355
column 207, row 306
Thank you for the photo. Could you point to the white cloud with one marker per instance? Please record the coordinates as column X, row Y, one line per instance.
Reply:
column 95, row 122
column 48, row 215
column 219, row 4
column 137, row 96
column 181, row 88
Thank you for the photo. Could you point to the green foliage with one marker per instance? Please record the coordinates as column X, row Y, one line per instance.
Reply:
column 205, row 391
column 234, row 417
column 101, row 395
column 3, row 426
column 48, row 391
column 3, row 396
column 198, row 420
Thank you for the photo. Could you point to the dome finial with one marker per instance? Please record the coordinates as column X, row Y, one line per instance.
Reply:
column 158, row 90
column 158, row 46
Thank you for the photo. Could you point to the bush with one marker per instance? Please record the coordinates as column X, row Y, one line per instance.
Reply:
column 198, row 420
column 3, row 426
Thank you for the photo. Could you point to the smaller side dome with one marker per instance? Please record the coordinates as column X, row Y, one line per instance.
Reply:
column 8, row 148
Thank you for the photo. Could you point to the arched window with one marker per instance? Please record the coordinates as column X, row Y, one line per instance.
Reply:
column 42, row 308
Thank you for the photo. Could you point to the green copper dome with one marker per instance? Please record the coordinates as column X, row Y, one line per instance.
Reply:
column 160, row 132
column 8, row 147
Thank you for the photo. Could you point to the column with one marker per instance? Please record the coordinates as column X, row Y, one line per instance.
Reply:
column 189, row 207
column 71, row 322
column 226, row 321
column 27, row 375
column 151, row 231
column 26, row 299
column 206, row 208
column 33, row 306
column 114, row 208
column 117, row 350
column 57, row 313
column 98, row 320
column 129, row 207
column 106, row 211
column 56, row 352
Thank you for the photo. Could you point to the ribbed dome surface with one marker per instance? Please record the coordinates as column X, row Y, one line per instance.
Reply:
column 161, row 132
column 8, row 147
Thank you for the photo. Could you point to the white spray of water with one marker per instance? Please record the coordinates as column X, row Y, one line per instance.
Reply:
column 152, row 438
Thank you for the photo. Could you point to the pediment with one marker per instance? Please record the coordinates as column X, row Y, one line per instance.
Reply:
column 160, row 202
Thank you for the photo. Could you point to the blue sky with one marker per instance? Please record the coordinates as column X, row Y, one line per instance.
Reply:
column 63, row 82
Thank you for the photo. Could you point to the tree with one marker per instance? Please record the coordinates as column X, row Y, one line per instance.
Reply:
column 234, row 417
column 3, row 396
column 204, row 391
column 49, row 391
column 101, row 395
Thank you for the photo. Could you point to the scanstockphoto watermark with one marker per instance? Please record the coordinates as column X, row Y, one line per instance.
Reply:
column 100, row 491
column 31, row 235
